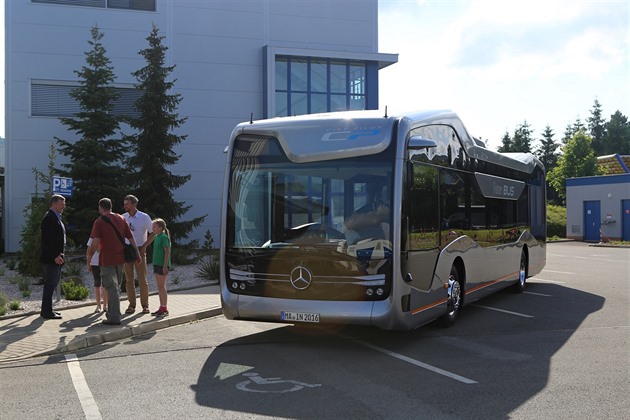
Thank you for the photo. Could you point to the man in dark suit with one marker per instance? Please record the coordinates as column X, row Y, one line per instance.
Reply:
column 53, row 242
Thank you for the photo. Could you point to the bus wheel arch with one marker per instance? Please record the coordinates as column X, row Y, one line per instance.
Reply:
column 455, row 299
column 521, row 282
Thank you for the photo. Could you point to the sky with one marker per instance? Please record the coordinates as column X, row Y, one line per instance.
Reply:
column 498, row 63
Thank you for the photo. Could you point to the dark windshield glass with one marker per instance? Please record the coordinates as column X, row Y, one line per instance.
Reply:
column 274, row 202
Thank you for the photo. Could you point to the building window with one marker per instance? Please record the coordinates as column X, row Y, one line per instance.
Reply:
column 54, row 100
column 312, row 85
column 148, row 5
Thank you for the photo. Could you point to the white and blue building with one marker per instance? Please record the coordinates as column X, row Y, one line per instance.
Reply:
column 598, row 207
column 235, row 59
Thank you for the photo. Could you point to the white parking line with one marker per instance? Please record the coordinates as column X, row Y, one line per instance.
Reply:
column 537, row 294
column 504, row 311
column 546, row 281
column 83, row 390
column 418, row 363
column 560, row 272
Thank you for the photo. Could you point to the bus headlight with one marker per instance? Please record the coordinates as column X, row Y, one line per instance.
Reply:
column 369, row 292
column 242, row 286
column 379, row 292
column 234, row 285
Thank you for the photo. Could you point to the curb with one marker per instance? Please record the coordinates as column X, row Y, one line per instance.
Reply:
column 92, row 303
column 607, row 245
column 91, row 340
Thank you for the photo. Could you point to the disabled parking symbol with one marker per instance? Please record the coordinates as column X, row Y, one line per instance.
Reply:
column 256, row 383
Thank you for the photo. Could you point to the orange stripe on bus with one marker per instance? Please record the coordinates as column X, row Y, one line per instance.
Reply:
column 474, row 289
column 429, row 306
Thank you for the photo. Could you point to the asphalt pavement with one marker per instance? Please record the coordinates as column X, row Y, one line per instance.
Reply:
column 80, row 327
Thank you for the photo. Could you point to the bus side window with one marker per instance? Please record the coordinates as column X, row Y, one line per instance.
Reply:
column 423, row 209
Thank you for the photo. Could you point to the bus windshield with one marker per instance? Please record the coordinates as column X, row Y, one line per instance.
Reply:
column 337, row 204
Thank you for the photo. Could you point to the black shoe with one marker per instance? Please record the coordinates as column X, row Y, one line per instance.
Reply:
column 54, row 315
column 57, row 313
column 110, row 322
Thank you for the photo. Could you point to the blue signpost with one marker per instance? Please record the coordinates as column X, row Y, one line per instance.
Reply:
column 62, row 186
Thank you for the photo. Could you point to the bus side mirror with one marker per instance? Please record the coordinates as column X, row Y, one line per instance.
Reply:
column 419, row 142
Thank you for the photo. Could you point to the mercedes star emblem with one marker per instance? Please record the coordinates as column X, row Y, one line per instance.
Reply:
column 301, row 278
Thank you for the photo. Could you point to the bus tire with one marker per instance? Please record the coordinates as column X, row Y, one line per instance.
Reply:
column 521, row 283
column 455, row 300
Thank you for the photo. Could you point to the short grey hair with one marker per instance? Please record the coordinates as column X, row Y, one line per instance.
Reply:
column 132, row 198
column 56, row 197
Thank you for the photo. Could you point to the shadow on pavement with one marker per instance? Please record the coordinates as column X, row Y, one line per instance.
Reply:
column 325, row 372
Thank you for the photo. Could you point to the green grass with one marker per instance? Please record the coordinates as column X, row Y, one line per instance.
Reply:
column 556, row 221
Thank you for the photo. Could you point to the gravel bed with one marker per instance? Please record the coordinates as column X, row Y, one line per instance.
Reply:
column 180, row 277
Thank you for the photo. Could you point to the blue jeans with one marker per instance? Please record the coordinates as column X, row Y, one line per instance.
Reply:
column 52, row 274
column 111, row 276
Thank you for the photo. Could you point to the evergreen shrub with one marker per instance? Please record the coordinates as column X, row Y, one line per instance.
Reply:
column 74, row 291
column 3, row 304
column 208, row 269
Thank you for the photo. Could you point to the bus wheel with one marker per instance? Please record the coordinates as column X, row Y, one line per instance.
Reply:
column 519, row 287
column 455, row 298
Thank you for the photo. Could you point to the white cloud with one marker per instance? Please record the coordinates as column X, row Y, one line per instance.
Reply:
column 510, row 13
column 592, row 54
column 503, row 62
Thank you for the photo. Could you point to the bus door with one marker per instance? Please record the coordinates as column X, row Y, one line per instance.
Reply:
column 423, row 234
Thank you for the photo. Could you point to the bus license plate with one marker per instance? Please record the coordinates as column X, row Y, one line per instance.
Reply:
column 299, row 317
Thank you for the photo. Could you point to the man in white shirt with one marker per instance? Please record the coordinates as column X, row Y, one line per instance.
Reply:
column 142, row 229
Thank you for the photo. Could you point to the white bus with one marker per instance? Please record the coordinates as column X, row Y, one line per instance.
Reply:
column 367, row 219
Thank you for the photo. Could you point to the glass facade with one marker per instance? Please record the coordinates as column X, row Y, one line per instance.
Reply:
column 312, row 85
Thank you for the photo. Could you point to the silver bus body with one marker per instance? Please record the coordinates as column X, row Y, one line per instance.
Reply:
column 462, row 221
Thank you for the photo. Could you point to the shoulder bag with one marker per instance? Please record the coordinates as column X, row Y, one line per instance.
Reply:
column 128, row 249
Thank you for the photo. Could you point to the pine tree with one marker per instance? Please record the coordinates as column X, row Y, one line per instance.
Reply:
column 572, row 130
column 95, row 158
column 507, row 143
column 577, row 160
column 568, row 134
column 547, row 151
column 596, row 127
column 522, row 138
column 152, row 144
column 578, row 125
column 548, row 155
column 617, row 135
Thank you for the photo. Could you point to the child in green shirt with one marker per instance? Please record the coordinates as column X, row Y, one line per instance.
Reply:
column 161, row 262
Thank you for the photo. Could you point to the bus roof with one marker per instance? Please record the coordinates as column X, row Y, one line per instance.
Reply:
column 313, row 137
column 326, row 136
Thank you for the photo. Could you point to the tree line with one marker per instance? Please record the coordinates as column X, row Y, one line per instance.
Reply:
column 103, row 161
column 576, row 153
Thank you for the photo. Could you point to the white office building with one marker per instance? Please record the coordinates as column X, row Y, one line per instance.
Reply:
column 234, row 59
